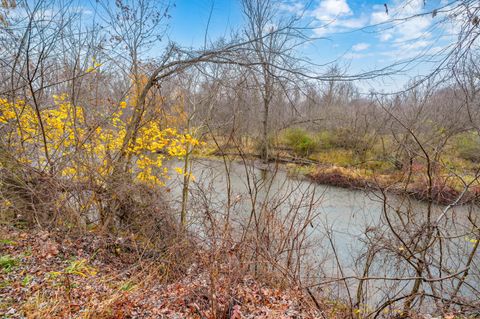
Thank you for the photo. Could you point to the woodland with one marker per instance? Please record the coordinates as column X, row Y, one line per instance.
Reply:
column 144, row 178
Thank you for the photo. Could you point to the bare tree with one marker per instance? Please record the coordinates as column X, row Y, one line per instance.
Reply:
column 271, row 50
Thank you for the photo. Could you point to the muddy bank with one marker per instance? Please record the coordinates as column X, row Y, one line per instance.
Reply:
column 439, row 193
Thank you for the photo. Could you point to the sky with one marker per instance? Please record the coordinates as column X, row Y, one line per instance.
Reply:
column 344, row 31
column 358, row 35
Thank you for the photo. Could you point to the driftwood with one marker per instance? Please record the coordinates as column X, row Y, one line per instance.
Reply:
column 272, row 158
column 294, row 160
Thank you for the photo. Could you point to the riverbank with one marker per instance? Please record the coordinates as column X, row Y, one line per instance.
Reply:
column 56, row 274
column 446, row 189
column 439, row 193
column 344, row 161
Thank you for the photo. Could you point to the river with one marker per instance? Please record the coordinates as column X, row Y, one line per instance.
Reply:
column 346, row 213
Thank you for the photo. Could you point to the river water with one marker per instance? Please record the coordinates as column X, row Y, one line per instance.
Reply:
column 346, row 213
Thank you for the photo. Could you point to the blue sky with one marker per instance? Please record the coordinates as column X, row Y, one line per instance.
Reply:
column 190, row 19
column 345, row 26
column 356, row 34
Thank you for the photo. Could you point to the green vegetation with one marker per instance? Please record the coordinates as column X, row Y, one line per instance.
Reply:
column 127, row 286
column 302, row 143
column 326, row 139
column 468, row 146
column 375, row 158
column 27, row 280
column 7, row 242
column 7, row 263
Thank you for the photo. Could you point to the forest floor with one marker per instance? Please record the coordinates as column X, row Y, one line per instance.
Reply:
column 59, row 275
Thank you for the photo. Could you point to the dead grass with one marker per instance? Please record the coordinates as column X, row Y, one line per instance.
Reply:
column 89, row 276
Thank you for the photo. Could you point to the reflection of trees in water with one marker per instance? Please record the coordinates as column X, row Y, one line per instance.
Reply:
column 377, row 249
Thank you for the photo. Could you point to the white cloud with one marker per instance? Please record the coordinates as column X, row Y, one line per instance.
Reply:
column 353, row 23
column 385, row 36
column 296, row 8
column 82, row 10
column 356, row 56
column 360, row 46
column 335, row 16
column 378, row 15
column 414, row 29
column 41, row 15
column 270, row 27
column 401, row 23
column 404, row 30
column 412, row 49
column 332, row 9
column 415, row 45
column 402, row 33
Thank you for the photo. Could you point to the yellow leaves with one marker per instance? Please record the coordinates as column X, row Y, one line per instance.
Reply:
column 26, row 116
column 147, row 177
column 60, row 98
column 188, row 139
column 7, row 111
column 68, row 134
column 69, row 171
column 149, row 148
column 95, row 65
column 170, row 131
column 180, row 171
column 176, row 150
column 80, row 268
column 6, row 203
column 472, row 240
column 59, row 120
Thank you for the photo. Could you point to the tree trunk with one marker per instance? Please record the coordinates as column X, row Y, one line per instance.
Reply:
column 264, row 152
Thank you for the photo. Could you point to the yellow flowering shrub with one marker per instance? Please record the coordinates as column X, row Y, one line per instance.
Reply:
column 94, row 67
column 78, row 149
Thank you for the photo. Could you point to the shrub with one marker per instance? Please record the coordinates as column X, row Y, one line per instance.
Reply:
column 62, row 166
column 326, row 140
column 336, row 156
column 468, row 146
column 380, row 166
column 342, row 138
column 258, row 146
column 300, row 141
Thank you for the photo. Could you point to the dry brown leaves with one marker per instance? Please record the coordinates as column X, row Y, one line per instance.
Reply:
column 56, row 275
